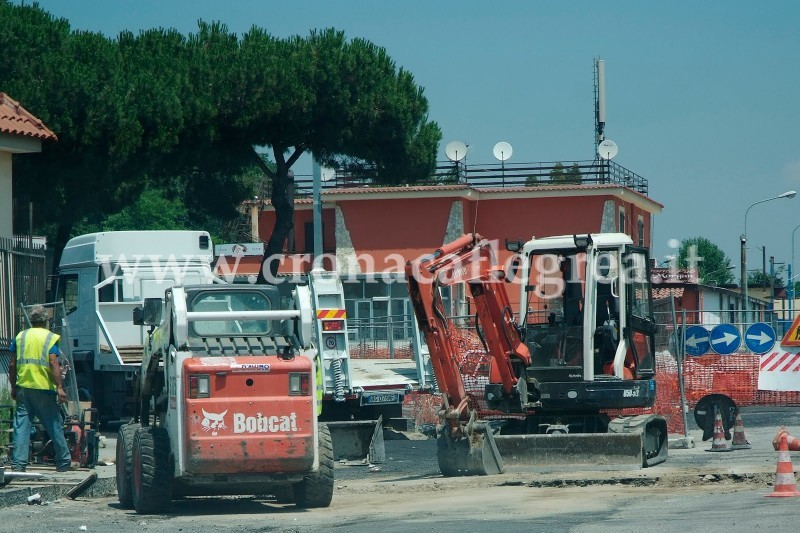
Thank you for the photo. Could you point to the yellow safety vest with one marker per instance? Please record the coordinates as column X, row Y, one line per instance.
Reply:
column 33, row 359
column 320, row 384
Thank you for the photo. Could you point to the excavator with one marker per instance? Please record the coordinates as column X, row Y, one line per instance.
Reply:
column 579, row 343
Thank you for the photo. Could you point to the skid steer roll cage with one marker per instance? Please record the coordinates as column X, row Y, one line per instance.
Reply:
column 471, row 260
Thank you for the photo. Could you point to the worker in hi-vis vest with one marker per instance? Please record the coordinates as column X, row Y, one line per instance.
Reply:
column 35, row 378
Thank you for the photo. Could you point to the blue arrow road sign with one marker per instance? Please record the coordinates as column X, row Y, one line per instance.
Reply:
column 725, row 339
column 760, row 338
column 698, row 340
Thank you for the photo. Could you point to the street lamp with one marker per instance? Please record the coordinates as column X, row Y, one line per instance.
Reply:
column 791, row 283
column 787, row 194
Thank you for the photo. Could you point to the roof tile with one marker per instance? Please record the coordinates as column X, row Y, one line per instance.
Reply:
column 16, row 120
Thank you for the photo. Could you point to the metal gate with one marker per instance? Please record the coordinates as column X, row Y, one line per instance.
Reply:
column 22, row 279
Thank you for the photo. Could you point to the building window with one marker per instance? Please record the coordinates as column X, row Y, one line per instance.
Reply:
column 621, row 227
column 308, row 236
column 640, row 231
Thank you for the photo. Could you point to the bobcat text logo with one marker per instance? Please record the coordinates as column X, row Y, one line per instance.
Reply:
column 264, row 424
column 214, row 422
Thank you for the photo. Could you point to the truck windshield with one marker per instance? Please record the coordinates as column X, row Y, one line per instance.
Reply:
column 231, row 301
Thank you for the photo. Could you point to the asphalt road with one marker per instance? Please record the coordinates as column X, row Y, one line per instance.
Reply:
column 694, row 490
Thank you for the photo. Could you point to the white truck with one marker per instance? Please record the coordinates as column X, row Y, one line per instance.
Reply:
column 101, row 278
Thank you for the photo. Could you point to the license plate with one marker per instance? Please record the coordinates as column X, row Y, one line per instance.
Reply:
column 380, row 398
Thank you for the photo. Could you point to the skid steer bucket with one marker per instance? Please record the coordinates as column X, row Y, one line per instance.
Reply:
column 474, row 454
column 358, row 440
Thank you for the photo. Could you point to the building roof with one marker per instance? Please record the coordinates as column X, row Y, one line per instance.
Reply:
column 475, row 193
column 16, row 120
column 666, row 292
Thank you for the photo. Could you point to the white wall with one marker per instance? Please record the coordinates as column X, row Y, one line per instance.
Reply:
column 6, row 201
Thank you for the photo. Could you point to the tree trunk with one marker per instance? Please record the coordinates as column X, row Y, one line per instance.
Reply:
column 284, row 217
column 62, row 237
column 284, row 208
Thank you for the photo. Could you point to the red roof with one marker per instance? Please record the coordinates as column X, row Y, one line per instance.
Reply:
column 16, row 120
column 666, row 292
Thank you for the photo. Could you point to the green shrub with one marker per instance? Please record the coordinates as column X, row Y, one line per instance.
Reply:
column 5, row 419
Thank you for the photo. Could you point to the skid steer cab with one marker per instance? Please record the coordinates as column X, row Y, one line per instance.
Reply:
column 225, row 402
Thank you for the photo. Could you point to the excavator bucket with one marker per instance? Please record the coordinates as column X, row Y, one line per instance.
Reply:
column 474, row 454
column 653, row 431
column 358, row 440
column 596, row 451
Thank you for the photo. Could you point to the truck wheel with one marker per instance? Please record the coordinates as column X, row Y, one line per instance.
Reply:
column 316, row 489
column 152, row 476
column 124, row 464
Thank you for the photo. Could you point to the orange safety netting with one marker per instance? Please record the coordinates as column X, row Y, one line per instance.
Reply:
column 735, row 376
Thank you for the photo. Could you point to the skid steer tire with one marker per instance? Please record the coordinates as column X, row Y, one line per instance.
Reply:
column 124, row 464
column 152, row 476
column 316, row 489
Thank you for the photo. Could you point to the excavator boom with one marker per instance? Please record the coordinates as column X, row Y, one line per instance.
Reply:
column 466, row 446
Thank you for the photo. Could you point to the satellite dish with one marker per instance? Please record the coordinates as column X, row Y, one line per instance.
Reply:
column 607, row 149
column 456, row 151
column 502, row 151
column 327, row 173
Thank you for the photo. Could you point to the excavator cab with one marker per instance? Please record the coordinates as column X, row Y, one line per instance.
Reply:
column 586, row 310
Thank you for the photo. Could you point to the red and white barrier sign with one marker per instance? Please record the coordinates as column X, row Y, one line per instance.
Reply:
column 779, row 370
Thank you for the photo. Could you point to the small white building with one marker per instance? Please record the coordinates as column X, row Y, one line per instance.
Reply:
column 20, row 133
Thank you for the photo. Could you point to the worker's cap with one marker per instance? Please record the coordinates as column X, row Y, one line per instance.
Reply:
column 38, row 315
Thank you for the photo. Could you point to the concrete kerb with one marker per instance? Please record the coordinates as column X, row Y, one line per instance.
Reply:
column 55, row 485
column 680, row 442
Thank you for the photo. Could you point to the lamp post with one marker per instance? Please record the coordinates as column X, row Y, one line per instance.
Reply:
column 787, row 194
column 791, row 283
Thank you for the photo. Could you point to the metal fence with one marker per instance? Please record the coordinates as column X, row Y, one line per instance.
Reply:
column 387, row 337
column 22, row 279
column 738, row 318
column 493, row 176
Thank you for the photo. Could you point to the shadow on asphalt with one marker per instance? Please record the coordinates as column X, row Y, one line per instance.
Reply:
column 220, row 505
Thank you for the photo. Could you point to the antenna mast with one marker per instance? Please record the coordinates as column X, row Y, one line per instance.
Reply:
column 599, row 101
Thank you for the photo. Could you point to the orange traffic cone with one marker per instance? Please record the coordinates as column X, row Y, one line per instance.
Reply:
column 739, row 441
column 785, row 482
column 718, row 444
column 793, row 442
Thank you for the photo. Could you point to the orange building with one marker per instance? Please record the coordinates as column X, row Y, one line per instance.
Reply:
column 395, row 224
column 370, row 232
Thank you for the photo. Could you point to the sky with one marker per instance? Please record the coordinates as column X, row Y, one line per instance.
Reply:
column 701, row 97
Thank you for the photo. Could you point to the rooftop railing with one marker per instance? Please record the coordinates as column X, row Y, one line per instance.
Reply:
column 503, row 176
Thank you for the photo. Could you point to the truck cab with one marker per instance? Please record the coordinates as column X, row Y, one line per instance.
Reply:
column 101, row 278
